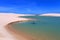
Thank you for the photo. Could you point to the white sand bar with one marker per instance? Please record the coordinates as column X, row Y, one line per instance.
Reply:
column 6, row 18
column 51, row 14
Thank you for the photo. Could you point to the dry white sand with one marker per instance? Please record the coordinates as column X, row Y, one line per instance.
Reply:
column 51, row 14
column 4, row 20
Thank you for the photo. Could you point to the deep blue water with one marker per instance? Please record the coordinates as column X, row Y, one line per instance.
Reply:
column 44, row 27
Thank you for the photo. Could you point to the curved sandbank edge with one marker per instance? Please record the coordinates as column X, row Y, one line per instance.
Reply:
column 17, row 34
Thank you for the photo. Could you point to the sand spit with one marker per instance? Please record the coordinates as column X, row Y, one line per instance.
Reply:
column 5, row 19
column 51, row 14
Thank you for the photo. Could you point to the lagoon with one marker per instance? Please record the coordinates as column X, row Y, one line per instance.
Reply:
column 43, row 28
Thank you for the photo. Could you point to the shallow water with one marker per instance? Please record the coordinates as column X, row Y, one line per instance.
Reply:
column 44, row 28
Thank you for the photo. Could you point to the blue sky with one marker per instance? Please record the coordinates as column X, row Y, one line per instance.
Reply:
column 30, row 6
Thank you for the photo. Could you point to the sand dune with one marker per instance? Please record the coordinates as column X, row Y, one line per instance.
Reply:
column 51, row 14
column 4, row 20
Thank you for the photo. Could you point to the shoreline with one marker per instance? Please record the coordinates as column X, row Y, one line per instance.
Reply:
column 18, row 35
column 6, row 30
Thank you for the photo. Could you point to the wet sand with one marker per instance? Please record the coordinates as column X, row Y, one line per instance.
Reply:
column 17, row 34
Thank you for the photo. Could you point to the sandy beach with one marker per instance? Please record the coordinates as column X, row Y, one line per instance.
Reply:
column 6, row 31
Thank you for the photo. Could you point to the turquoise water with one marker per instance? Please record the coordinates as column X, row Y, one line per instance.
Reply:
column 44, row 28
